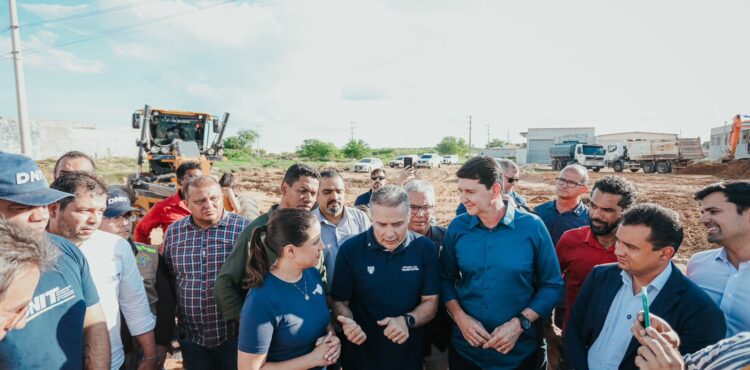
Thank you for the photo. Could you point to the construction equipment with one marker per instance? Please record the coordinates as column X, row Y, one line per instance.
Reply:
column 169, row 138
column 740, row 124
column 590, row 156
column 653, row 155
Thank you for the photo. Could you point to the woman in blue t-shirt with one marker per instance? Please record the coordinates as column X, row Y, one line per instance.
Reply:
column 285, row 322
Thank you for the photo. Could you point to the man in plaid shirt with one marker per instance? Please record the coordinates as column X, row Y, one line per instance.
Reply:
column 195, row 247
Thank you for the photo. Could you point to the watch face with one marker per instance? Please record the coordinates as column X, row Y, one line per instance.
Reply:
column 526, row 324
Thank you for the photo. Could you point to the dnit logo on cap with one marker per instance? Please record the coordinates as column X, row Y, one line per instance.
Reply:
column 33, row 176
column 119, row 199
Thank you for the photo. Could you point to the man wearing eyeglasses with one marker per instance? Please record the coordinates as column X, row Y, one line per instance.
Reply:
column 118, row 219
column 511, row 174
column 422, row 210
column 567, row 211
column 377, row 180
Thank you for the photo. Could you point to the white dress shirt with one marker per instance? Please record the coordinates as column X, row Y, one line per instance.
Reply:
column 729, row 287
column 354, row 222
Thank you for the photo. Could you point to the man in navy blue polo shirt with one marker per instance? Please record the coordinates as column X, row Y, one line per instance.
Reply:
column 500, row 274
column 567, row 212
column 385, row 288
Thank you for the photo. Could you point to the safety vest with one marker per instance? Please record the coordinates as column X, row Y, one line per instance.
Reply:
column 147, row 259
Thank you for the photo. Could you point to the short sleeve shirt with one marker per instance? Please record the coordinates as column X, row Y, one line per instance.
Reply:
column 53, row 336
column 278, row 321
column 379, row 284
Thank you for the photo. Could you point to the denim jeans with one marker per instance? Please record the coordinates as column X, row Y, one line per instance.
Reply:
column 197, row 357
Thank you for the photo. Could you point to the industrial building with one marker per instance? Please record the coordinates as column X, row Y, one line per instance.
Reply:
column 718, row 146
column 633, row 135
column 539, row 140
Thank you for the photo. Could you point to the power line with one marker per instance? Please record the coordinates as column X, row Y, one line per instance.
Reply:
column 85, row 14
column 125, row 29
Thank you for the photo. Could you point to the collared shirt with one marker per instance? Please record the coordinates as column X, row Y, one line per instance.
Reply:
column 363, row 199
column 195, row 256
column 609, row 347
column 161, row 215
column 379, row 283
column 352, row 223
column 120, row 288
column 728, row 354
column 558, row 223
column 727, row 286
column 578, row 252
column 497, row 273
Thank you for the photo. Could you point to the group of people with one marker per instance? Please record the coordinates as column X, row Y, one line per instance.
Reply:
column 313, row 283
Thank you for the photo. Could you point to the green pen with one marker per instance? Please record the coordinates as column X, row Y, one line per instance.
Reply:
column 646, row 318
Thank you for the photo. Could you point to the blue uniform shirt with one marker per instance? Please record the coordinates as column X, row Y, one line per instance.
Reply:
column 277, row 319
column 53, row 336
column 558, row 223
column 379, row 284
column 363, row 199
column 496, row 273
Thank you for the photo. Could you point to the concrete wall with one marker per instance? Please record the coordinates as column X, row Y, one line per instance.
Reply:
column 50, row 139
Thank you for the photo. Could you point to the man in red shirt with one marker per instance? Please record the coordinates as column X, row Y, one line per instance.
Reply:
column 168, row 210
column 579, row 250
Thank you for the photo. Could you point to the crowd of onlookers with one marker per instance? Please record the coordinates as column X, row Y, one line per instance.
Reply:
column 313, row 283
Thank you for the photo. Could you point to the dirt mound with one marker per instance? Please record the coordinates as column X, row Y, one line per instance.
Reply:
column 739, row 169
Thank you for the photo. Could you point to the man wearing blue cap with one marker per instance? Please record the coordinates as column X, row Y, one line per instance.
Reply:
column 118, row 219
column 65, row 326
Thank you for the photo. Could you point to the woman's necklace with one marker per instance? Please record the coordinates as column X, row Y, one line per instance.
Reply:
column 304, row 293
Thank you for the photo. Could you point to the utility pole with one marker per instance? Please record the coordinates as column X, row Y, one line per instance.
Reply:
column 257, row 140
column 470, row 136
column 352, row 125
column 23, row 121
column 488, row 136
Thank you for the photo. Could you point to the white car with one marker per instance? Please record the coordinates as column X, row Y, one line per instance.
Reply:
column 399, row 161
column 429, row 161
column 450, row 159
column 368, row 164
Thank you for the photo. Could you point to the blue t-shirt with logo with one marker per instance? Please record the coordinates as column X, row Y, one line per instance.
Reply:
column 277, row 319
column 53, row 336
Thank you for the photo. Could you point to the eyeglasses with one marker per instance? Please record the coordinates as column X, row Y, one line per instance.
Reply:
column 417, row 209
column 129, row 216
column 376, row 178
column 512, row 179
column 567, row 183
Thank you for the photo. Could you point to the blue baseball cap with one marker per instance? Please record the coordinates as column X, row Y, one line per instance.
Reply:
column 118, row 202
column 22, row 182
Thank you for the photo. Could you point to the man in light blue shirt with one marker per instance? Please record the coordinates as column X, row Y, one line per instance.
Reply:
column 724, row 273
column 337, row 223
column 598, row 333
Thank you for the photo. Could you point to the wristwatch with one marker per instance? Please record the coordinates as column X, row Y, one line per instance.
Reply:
column 410, row 321
column 525, row 323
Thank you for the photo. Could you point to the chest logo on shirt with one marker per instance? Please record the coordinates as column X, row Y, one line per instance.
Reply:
column 318, row 290
column 409, row 268
column 371, row 269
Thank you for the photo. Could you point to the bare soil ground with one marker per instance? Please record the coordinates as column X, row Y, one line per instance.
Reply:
column 537, row 185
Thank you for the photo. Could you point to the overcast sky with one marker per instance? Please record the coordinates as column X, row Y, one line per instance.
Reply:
column 406, row 72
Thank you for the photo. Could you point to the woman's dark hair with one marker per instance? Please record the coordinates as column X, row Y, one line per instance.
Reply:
column 286, row 226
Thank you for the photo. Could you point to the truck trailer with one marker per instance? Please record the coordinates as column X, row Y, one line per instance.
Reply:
column 590, row 156
column 653, row 155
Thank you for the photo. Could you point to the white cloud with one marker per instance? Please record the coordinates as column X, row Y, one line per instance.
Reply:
column 132, row 50
column 53, row 10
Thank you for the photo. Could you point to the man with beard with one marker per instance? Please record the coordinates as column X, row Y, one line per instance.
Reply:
column 724, row 273
column 377, row 179
column 337, row 223
column 298, row 190
column 579, row 250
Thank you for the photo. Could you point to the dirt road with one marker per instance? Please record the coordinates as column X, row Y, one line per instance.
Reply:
column 673, row 191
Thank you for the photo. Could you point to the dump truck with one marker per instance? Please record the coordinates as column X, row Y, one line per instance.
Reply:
column 653, row 155
column 590, row 156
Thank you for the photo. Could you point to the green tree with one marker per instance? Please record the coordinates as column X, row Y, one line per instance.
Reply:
column 452, row 145
column 356, row 149
column 496, row 143
column 243, row 139
column 317, row 150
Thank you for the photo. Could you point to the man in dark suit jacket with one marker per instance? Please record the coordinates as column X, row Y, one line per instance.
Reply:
column 598, row 333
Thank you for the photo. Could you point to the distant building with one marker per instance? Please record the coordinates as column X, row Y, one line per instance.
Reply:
column 538, row 140
column 633, row 135
column 718, row 146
